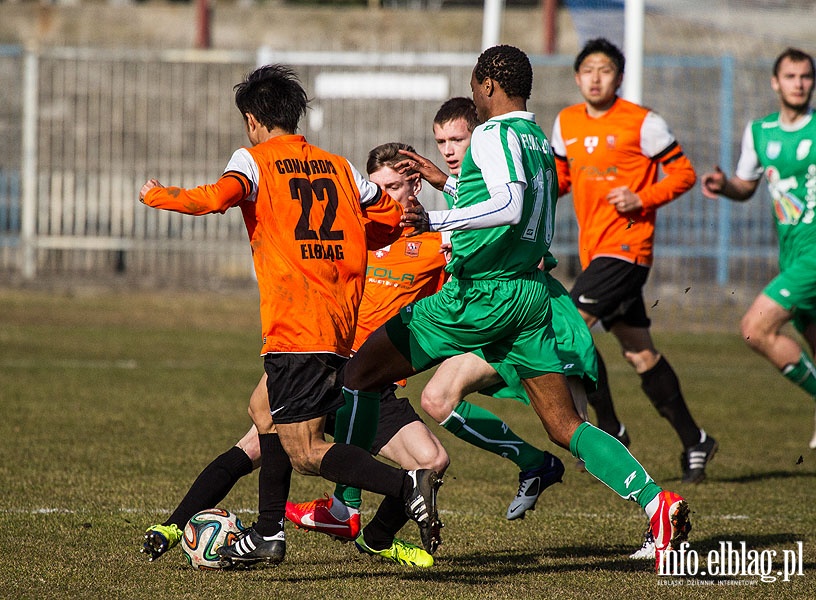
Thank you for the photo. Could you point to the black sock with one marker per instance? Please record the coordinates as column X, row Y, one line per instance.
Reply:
column 355, row 467
column 663, row 389
column 212, row 485
column 273, row 485
column 601, row 401
column 390, row 518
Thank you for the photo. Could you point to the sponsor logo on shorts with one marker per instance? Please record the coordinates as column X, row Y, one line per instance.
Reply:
column 584, row 300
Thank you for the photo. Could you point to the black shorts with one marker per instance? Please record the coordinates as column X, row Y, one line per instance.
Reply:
column 611, row 290
column 395, row 413
column 302, row 387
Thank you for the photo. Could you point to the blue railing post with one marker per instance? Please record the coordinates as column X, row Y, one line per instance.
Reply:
column 726, row 146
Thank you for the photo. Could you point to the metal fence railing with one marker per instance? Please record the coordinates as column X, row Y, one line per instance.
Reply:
column 82, row 129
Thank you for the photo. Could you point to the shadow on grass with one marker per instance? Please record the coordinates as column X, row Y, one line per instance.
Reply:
column 753, row 477
column 749, row 478
column 481, row 568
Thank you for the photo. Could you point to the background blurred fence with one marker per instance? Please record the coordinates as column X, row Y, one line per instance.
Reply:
column 82, row 129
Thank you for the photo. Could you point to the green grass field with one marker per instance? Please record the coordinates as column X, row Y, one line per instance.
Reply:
column 112, row 404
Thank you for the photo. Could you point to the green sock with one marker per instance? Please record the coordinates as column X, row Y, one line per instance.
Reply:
column 356, row 423
column 802, row 374
column 483, row 429
column 610, row 462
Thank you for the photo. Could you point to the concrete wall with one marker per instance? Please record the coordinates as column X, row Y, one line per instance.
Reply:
column 672, row 27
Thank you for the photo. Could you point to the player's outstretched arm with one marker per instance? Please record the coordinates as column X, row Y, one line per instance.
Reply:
column 228, row 191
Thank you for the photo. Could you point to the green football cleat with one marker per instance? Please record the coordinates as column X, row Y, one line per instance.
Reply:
column 400, row 552
column 158, row 539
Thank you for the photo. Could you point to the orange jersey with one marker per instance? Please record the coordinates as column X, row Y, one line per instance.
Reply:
column 306, row 212
column 624, row 147
column 407, row 270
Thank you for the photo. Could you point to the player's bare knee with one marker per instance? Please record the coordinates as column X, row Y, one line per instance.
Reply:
column 441, row 461
column 752, row 332
column 436, row 403
column 432, row 457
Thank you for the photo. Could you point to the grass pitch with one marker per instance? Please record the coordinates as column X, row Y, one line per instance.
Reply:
column 113, row 403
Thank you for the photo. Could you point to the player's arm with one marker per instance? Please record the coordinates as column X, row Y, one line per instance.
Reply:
column 225, row 193
column 383, row 222
column 679, row 178
column 717, row 184
column 504, row 206
column 658, row 143
column 381, row 213
column 742, row 185
column 238, row 183
column 561, row 162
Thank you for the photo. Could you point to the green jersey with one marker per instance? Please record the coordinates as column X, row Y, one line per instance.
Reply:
column 787, row 156
column 507, row 149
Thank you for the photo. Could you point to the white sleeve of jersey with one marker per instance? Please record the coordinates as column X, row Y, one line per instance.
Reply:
column 242, row 162
column 450, row 185
column 748, row 167
column 655, row 135
column 506, row 192
column 369, row 192
column 502, row 208
column 557, row 140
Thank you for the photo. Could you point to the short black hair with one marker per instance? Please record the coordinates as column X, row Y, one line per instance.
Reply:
column 794, row 55
column 604, row 46
column 274, row 96
column 386, row 155
column 509, row 67
column 458, row 108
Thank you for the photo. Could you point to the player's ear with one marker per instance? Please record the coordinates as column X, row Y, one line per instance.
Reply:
column 417, row 186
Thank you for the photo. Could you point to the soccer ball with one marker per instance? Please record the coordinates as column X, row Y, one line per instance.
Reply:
column 205, row 533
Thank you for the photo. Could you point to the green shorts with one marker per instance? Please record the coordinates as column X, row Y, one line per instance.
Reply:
column 509, row 321
column 795, row 290
column 576, row 350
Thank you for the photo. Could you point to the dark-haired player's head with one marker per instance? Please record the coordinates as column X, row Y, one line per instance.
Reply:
column 458, row 108
column 452, row 127
column 507, row 66
column 793, row 55
column 599, row 73
column 402, row 187
column 273, row 95
column 793, row 79
column 601, row 46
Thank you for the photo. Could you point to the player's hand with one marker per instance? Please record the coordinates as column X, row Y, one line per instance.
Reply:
column 419, row 164
column 713, row 183
column 149, row 185
column 416, row 217
column 624, row 200
column 446, row 249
